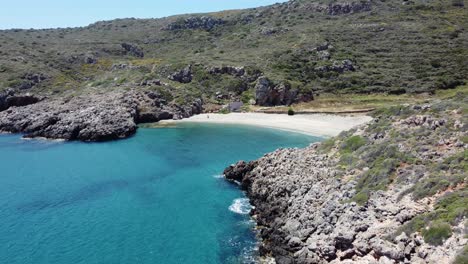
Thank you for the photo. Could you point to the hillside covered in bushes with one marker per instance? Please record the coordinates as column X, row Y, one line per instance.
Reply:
column 301, row 48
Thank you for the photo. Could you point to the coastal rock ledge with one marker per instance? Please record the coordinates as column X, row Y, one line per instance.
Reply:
column 359, row 198
column 92, row 117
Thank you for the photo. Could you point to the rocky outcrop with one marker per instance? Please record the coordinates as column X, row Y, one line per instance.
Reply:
column 231, row 70
column 203, row 22
column 133, row 50
column 336, row 7
column 305, row 201
column 340, row 67
column 183, row 76
column 9, row 98
column 92, row 117
column 153, row 82
column 269, row 31
column 269, row 94
column 30, row 80
column 238, row 172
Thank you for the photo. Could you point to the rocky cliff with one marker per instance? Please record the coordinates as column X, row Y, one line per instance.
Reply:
column 391, row 191
column 91, row 117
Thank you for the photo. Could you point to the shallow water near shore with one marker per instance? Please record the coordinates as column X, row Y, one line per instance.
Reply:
column 154, row 198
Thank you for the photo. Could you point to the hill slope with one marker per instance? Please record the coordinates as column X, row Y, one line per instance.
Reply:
column 390, row 46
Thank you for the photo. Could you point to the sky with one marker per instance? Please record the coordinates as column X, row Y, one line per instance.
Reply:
column 72, row 13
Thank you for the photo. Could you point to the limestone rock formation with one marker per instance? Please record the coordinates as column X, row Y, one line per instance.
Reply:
column 92, row 117
column 231, row 70
column 183, row 76
column 311, row 207
column 133, row 50
column 269, row 94
column 340, row 67
column 10, row 98
column 203, row 22
column 30, row 80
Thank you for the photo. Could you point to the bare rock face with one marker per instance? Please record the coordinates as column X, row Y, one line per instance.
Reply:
column 231, row 70
column 133, row 50
column 9, row 98
column 238, row 172
column 183, row 76
column 203, row 22
column 30, row 80
column 340, row 67
column 92, row 117
column 335, row 9
column 268, row 94
column 304, row 215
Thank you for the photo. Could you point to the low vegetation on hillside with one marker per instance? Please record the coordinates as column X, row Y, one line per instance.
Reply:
column 323, row 46
column 417, row 151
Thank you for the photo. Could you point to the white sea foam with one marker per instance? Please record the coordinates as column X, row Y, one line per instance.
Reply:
column 241, row 206
column 218, row 176
column 249, row 255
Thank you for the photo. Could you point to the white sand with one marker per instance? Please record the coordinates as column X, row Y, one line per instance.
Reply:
column 314, row 124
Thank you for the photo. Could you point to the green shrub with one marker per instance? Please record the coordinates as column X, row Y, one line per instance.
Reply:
column 352, row 144
column 291, row 111
column 247, row 96
column 224, row 111
column 348, row 160
column 449, row 210
column 462, row 258
column 328, row 144
column 437, row 233
column 379, row 174
column 444, row 175
column 361, row 198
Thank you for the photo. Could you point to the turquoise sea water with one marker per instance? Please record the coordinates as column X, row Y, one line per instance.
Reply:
column 153, row 198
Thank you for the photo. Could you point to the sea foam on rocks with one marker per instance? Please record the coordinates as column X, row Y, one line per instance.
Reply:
column 241, row 206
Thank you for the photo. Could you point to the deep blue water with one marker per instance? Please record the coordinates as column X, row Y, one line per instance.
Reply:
column 153, row 198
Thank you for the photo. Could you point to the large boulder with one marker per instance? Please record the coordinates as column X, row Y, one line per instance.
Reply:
column 269, row 94
column 183, row 76
column 133, row 50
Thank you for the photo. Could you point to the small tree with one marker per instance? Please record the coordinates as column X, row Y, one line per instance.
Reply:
column 291, row 111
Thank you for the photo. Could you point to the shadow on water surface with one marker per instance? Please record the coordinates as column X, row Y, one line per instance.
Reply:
column 30, row 145
column 94, row 191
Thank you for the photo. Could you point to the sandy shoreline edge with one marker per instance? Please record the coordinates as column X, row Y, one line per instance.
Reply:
column 322, row 125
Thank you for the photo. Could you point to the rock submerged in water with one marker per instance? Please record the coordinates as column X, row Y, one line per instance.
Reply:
column 92, row 117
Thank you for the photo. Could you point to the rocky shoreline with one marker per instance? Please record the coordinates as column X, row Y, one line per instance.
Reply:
column 379, row 193
column 89, row 117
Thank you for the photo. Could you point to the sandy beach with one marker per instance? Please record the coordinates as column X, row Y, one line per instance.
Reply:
column 316, row 124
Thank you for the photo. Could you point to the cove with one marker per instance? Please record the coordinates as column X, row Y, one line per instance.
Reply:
column 153, row 198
